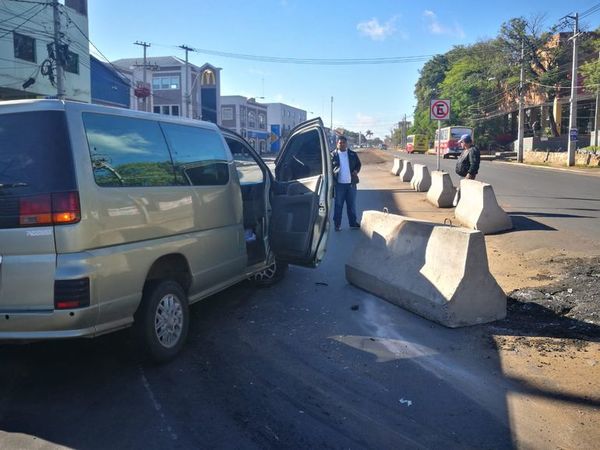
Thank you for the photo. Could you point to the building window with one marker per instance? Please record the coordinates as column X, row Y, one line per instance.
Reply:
column 72, row 63
column 208, row 78
column 251, row 119
column 262, row 146
column 242, row 116
column 167, row 110
column 24, row 47
column 262, row 122
column 165, row 83
column 227, row 113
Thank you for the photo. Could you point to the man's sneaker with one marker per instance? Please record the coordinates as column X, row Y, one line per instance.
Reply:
column 355, row 226
column 338, row 228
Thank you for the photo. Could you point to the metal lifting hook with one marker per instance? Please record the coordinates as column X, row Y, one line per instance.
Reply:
column 448, row 221
column 385, row 210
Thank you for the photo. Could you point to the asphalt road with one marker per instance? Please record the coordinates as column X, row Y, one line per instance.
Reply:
column 309, row 363
column 557, row 199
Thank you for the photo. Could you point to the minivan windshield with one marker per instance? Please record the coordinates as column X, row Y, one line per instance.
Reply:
column 35, row 156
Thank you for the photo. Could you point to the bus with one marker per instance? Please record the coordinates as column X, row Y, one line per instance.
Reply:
column 449, row 145
column 416, row 143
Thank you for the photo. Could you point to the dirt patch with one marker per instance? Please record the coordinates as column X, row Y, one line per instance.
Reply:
column 375, row 157
column 568, row 308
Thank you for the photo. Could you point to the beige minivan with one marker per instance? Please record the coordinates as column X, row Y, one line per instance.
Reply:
column 111, row 218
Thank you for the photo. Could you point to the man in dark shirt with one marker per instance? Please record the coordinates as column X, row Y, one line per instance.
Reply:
column 468, row 162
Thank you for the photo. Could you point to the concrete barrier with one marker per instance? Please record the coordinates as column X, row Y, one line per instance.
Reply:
column 406, row 173
column 442, row 191
column 421, row 180
column 397, row 166
column 436, row 271
column 478, row 208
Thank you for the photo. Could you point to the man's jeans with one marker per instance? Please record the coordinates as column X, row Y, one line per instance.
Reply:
column 345, row 193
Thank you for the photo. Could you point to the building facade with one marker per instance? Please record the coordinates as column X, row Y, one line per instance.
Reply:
column 166, row 79
column 29, row 57
column 247, row 118
column 109, row 86
column 282, row 119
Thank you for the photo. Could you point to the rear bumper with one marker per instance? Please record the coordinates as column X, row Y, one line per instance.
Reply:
column 48, row 324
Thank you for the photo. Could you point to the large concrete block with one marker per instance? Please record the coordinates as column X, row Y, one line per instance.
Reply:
column 436, row 271
column 397, row 166
column 478, row 208
column 442, row 191
column 421, row 180
column 406, row 173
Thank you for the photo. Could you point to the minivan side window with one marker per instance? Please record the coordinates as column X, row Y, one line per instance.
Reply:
column 199, row 155
column 127, row 151
column 302, row 158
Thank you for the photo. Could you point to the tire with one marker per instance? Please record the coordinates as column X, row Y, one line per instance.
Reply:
column 162, row 321
column 271, row 275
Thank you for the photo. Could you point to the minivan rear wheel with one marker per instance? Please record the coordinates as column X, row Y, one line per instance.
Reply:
column 162, row 320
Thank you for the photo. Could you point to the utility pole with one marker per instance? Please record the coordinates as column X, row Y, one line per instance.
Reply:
column 58, row 54
column 521, row 131
column 404, row 131
column 597, row 115
column 572, row 143
column 187, row 80
column 145, row 45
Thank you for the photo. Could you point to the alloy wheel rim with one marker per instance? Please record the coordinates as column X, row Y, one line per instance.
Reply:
column 168, row 320
column 267, row 273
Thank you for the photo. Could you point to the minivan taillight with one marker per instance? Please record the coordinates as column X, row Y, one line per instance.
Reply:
column 58, row 208
column 71, row 294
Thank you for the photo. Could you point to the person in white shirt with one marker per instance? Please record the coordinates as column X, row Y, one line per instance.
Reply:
column 346, row 165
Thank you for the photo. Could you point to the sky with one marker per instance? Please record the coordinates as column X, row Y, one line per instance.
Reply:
column 365, row 97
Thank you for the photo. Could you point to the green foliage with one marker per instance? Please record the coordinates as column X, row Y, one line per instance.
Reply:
column 482, row 79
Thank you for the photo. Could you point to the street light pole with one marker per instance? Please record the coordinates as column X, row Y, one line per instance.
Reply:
column 331, row 122
column 187, row 80
column 572, row 142
column 521, row 130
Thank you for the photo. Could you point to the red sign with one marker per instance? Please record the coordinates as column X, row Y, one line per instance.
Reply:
column 440, row 109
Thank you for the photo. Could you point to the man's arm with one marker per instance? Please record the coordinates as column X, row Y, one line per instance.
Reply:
column 358, row 164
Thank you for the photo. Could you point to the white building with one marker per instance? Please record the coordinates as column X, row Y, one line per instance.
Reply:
column 248, row 118
column 27, row 54
column 282, row 119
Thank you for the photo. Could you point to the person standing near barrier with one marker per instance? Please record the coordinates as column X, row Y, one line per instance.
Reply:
column 346, row 166
column 467, row 164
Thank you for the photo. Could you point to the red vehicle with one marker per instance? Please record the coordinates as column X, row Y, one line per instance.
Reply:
column 449, row 145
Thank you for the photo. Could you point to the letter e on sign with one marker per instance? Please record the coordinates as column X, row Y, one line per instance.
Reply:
column 440, row 109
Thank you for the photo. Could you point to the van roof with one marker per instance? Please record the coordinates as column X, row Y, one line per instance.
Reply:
column 66, row 105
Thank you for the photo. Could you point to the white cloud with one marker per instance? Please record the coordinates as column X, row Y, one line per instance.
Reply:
column 435, row 27
column 376, row 31
column 363, row 121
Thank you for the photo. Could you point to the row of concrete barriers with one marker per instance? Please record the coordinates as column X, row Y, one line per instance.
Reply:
column 439, row 272
column 477, row 207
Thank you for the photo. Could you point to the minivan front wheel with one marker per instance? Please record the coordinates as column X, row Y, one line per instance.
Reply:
column 162, row 320
column 270, row 275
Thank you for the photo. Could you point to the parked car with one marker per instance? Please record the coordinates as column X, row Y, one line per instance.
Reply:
column 112, row 218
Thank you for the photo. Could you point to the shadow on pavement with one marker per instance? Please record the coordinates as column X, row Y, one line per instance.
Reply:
column 522, row 223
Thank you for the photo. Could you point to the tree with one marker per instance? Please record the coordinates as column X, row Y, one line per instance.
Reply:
column 591, row 77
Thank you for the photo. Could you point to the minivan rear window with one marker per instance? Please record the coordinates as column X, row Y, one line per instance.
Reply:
column 35, row 155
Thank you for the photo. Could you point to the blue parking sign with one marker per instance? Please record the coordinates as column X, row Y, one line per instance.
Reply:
column 573, row 134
